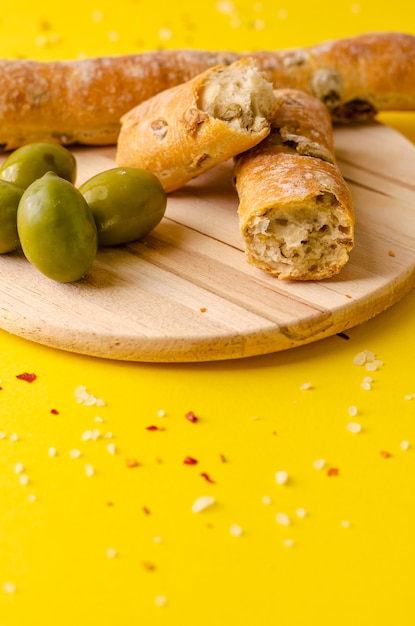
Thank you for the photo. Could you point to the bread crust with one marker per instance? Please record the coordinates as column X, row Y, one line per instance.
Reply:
column 83, row 101
column 184, row 131
column 295, row 210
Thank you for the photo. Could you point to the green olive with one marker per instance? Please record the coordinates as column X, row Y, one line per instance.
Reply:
column 56, row 229
column 126, row 202
column 28, row 163
column 10, row 195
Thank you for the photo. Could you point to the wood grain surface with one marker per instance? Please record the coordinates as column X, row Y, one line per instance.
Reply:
column 186, row 292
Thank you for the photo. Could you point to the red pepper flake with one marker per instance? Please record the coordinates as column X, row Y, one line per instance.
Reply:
column 153, row 427
column 54, row 412
column 333, row 471
column 146, row 510
column 223, row 458
column 189, row 460
column 207, row 477
column 29, row 378
column 385, row 454
column 203, row 309
column 391, row 253
column 148, row 566
column 131, row 463
column 191, row 417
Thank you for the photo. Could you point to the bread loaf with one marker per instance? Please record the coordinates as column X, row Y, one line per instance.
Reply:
column 295, row 210
column 186, row 130
column 83, row 101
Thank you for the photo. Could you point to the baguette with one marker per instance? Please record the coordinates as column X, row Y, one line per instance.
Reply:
column 295, row 210
column 82, row 102
column 186, row 130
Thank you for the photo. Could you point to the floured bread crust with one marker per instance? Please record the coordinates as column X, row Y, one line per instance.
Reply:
column 186, row 130
column 295, row 210
column 83, row 101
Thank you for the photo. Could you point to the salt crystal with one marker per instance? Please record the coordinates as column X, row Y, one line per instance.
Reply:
column 354, row 427
column 3, row 435
column 18, row 468
column 404, row 445
column 52, row 451
column 160, row 600
column 266, row 500
column 305, row 386
column 319, row 464
column 301, row 513
column 288, row 543
column 23, row 479
column 74, row 454
column 111, row 448
column 345, row 523
column 352, row 410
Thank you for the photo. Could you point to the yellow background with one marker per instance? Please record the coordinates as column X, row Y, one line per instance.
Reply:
column 348, row 560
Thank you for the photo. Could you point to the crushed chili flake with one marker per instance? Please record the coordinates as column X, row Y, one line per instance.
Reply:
column 154, row 427
column 191, row 417
column 203, row 309
column 54, row 412
column 146, row 510
column 385, row 454
column 333, row 471
column 223, row 458
column 206, row 476
column 391, row 253
column 189, row 460
column 29, row 378
column 148, row 566
column 131, row 463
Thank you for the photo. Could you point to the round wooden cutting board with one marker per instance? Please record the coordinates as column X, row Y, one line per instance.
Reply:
column 186, row 292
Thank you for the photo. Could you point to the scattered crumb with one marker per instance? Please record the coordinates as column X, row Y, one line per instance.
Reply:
column 202, row 503
column 18, row 468
column 235, row 530
column 111, row 553
column 9, row 587
column 89, row 469
column 282, row 519
column 281, row 477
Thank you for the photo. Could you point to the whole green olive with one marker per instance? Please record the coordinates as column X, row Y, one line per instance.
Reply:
column 126, row 202
column 28, row 163
column 56, row 229
column 10, row 195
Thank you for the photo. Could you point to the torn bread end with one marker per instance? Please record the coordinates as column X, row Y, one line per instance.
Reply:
column 302, row 242
column 238, row 95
